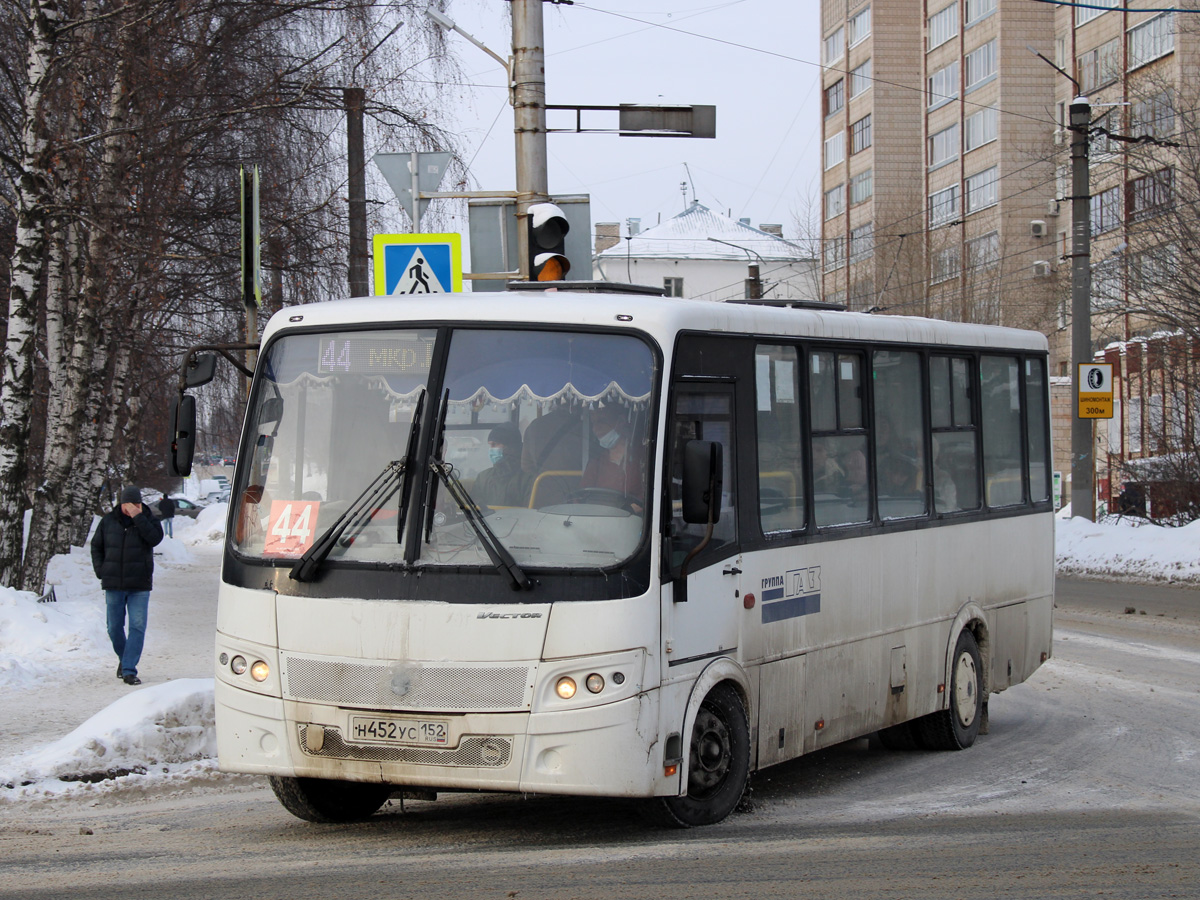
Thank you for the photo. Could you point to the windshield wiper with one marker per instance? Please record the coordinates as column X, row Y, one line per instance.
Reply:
column 500, row 555
column 363, row 508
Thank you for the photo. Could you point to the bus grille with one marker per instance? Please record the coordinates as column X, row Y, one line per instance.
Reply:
column 407, row 686
column 479, row 752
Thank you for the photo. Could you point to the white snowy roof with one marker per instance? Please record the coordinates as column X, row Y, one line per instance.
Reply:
column 686, row 236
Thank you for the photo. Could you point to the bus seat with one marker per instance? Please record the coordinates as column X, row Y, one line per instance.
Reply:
column 783, row 482
column 554, row 486
column 1004, row 489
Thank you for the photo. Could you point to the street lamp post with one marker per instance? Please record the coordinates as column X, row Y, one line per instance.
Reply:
column 529, row 116
column 1083, row 501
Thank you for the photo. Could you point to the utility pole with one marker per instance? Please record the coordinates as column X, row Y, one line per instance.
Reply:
column 354, row 99
column 529, row 117
column 1083, row 448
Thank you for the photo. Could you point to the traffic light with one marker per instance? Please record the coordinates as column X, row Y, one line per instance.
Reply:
column 548, row 229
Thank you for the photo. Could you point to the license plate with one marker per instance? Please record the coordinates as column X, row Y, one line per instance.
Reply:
column 414, row 732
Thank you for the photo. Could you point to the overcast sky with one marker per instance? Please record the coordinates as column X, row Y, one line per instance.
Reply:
column 755, row 60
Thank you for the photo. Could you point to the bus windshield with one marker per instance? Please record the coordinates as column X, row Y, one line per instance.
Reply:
column 547, row 432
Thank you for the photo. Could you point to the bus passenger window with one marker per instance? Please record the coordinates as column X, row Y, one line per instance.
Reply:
column 1035, row 415
column 955, row 451
column 842, row 494
column 899, row 434
column 780, row 451
column 1001, row 401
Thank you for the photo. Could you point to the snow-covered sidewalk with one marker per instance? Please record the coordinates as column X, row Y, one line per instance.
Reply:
column 58, row 672
column 58, row 675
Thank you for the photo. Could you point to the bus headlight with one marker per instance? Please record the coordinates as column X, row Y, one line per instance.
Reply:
column 565, row 687
column 239, row 665
column 260, row 671
column 595, row 683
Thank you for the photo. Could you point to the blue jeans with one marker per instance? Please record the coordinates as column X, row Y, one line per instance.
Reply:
column 128, row 649
column 168, row 526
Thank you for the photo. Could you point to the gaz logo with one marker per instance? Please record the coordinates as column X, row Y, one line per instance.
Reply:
column 796, row 592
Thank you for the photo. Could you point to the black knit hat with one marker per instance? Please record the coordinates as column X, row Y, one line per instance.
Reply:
column 131, row 495
column 507, row 434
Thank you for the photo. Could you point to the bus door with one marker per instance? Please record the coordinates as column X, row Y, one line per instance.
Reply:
column 701, row 622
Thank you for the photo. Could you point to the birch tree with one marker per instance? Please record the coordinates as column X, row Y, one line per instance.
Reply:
column 135, row 116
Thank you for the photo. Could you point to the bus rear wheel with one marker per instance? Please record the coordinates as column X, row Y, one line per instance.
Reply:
column 718, row 764
column 956, row 727
column 322, row 800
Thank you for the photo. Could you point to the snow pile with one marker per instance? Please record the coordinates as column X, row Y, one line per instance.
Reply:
column 168, row 727
column 1128, row 550
column 39, row 637
column 206, row 528
column 168, row 723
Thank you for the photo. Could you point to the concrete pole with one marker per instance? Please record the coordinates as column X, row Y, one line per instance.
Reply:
column 353, row 99
column 529, row 116
column 1082, row 446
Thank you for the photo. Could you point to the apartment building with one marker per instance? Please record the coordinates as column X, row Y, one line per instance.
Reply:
column 947, row 187
column 1138, row 70
column 939, row 159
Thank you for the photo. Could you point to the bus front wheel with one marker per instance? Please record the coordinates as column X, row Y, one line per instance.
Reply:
column 322, row 800
column 956, row 727
column 718, row 764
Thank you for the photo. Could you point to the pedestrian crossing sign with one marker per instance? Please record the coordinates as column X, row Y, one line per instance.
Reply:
column 418, row 264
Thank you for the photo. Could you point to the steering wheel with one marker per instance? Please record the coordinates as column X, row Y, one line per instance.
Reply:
column 608, row 497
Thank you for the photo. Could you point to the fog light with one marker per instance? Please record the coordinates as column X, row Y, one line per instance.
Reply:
column 565, row 687
column 259, row 671
column 239, row 665
column 595, row 683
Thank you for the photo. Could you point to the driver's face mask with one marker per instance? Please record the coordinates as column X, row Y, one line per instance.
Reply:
column 610, row 440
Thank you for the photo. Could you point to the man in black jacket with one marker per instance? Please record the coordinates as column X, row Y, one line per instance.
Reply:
column 166, row 513
column 123, row 559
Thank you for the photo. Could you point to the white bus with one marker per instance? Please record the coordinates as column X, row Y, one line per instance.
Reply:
column 619, row 545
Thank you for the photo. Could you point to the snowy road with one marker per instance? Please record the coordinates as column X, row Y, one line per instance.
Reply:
column 1088, row 785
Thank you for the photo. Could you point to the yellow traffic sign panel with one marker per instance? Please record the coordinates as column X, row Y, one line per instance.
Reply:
column 1095, row 391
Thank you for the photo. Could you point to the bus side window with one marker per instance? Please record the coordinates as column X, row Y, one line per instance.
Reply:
column 841, row 486
column 899, row 434
column 780, row 448
column 1035, row 416
column 702, row 416
column 955, row 451
column 1001, row 402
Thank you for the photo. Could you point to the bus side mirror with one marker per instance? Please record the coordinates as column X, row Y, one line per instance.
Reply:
column 183, row 436
column 200, row 370
column 702, row 482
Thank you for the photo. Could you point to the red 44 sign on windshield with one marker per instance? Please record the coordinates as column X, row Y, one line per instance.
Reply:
column 291, row 527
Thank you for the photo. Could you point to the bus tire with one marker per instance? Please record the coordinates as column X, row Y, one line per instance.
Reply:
column 718, row 764
column 956, row 727
column 322, row 800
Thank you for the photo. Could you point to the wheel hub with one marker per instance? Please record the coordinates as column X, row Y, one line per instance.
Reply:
column 966, row 689
column 712, row 750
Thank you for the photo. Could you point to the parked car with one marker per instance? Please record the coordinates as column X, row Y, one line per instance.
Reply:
column 183, row 507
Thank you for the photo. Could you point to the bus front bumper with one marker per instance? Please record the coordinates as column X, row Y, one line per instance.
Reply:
column 608, row 750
